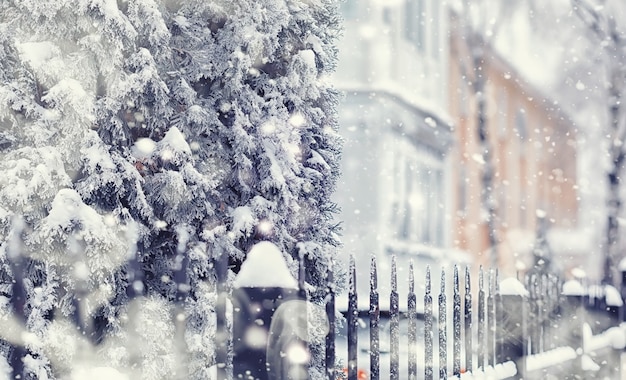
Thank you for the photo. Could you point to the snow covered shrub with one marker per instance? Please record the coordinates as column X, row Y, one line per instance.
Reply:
column 139, row 141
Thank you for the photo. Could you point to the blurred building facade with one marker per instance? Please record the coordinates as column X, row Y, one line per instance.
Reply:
column 411, row 170
column 397, row 131
column 534, row 156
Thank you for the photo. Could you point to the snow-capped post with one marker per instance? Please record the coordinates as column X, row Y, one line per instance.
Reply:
column 374, row 322
column 613, row 303
column 539, row 282
column 573, row 312
column 511, row 322
column 428, row 328
column 394, row 324
column 269, row 322
column 353, row 323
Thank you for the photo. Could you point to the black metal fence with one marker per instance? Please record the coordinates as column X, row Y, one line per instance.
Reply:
column 534, row 327
column 509, row 329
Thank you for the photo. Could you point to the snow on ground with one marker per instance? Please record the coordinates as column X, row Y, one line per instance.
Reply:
column 549, row 358
column 614, row 337
column 265, row 267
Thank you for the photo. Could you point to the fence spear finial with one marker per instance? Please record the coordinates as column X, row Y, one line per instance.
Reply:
column 394, row 274
column 373, row 273
column 480, row 278
column 427, row 289
column 497, row 281
column 467, row 280
column 443, row 280
column 352, row 274
column 456, row 278
column 411, row 278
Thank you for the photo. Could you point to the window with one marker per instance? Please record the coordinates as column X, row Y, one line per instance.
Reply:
column 520, row 125
column 462, row 191
column 502, row 204
column 434, row 29
column 414, row 27
column 502, row 114
column 416, row 207
column 437, row 191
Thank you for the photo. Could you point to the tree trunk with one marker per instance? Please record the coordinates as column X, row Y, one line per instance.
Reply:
column 488, row 203
column 613, row 202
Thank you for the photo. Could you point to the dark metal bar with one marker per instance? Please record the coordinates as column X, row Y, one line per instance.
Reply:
column 301, row 276
column 222, row 334
column 374, row 323
column 498, row 313
column 468, row 322
column 456, row 322
column 428, row 329
column 412, row 305
column 330, row 314
column 394, row 325
column 353, row 314
column 491, row 322
column 443, row 327
column 622, row 290
column 540, row 308
column 18, row 299
column 481, row 320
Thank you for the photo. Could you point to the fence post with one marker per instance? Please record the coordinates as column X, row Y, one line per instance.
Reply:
column 411, row 308
column 374, row 322
column 622, row 356
column 511, row 323
column 491, row 321
column 263, row 286
column 443, row 327
column 330, row 315
column 467, row 316
column 481, row 320
column 18, row 301
column 456, row 323
column 353, row 313
column 222, row 335
column 428, row 329
column 394, row 323
column 622, row 268
column 573, row 315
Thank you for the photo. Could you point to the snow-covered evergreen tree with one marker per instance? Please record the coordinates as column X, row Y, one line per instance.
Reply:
column 139, row 141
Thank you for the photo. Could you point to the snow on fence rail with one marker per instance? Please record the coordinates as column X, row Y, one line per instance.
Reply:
column 502, row 330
